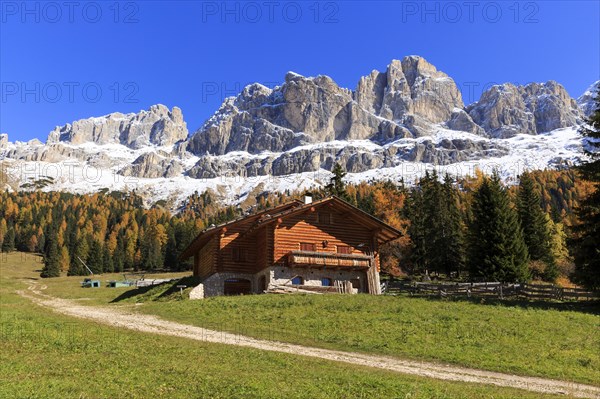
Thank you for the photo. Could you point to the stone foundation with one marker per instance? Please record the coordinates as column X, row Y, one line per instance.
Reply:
column 313, row 277
column 197, row 292
column 214, row 285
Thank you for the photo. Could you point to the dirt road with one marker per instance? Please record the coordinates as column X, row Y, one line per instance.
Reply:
column 118, row 317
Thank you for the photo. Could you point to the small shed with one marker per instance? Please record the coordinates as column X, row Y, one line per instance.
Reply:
column 89, row 283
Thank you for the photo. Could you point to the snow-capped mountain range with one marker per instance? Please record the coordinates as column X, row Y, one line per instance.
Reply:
column 394, row 125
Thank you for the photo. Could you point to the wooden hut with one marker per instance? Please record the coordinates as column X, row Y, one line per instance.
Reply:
column 299, row 244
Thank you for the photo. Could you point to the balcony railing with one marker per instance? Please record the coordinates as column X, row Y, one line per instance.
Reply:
column 328, row 260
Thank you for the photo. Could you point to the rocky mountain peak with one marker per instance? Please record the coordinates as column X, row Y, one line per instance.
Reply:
column 587, row 100
column 409, row 112
column 156, row 126
column 411, row 87
column 404, row 101
column 506, row 110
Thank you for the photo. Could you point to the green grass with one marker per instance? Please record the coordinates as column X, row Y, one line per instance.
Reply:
column 45, row 355
column 521, row 338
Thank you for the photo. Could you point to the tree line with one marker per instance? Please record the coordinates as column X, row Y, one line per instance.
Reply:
column 474, row 228
column 107, row 231
column 547, row 226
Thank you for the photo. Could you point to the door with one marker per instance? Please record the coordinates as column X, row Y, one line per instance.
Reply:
column 262, row 283
column 237, row 286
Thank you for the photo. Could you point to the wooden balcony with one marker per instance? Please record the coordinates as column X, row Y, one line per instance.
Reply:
column 329, row 260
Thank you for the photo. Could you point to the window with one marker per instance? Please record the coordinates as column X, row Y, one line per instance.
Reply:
column 238, row 254
column 344, row 249
column 308, row 246
column 297, row 280
column 324, row 218
column 326, row 282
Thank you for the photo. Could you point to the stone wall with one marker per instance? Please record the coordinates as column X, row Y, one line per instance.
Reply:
column 214, row 285
column 283, row 275
column 197, row 292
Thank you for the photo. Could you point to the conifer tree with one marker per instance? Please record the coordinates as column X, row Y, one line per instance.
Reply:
column 533, row 221
column 32, row 246
column 452, row 241
column 64, row 259
column 336, row 185
column 8, row 245
column 536, row 230
column 497, row 251
column 51, row 260
column 95, row 259
column 586, row 245
column 3, row 230
column 416, row 230
column 436, row 226
column 107, row 261
column 432, row 223
column 80, row 254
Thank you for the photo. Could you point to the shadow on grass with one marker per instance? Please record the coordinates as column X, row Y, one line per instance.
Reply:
column 133, row 293
column 591, row 307
column 167, row 290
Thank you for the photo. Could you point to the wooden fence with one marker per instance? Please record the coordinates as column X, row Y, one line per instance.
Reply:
column 491, row 290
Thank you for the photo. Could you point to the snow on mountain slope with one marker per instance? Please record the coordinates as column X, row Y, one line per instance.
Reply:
column 557, row 149
column 586, row 100
column 395, row 125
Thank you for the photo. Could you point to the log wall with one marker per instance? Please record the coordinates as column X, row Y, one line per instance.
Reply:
column 326, row 232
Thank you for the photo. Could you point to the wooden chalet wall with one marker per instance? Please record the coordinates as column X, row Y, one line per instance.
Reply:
column 248, row 246
column 237, row 239
column 264, row 247
column 306, row 227
column 205, row 261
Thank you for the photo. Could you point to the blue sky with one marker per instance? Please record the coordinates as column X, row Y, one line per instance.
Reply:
column 61, row 62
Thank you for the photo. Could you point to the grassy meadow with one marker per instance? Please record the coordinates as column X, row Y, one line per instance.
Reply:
column 45, row 355
column 510, row 337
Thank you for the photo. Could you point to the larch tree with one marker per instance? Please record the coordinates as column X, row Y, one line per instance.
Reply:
column 64, row 260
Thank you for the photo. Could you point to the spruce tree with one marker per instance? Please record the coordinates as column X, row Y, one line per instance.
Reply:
column 79, row 254
column 416, row 230
column 497, row 250
column 536, row 229
column 171, row 253
column 336, row 184
column 107, row 261
column 8, row 245
column 432, row 223
column 51, row 260
column 452, row 241
column 586, row 245
column 366, row 202
column 95, row 260
column 436, row 226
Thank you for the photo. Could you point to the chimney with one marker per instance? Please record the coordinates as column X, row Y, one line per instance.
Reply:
column 307, row 199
